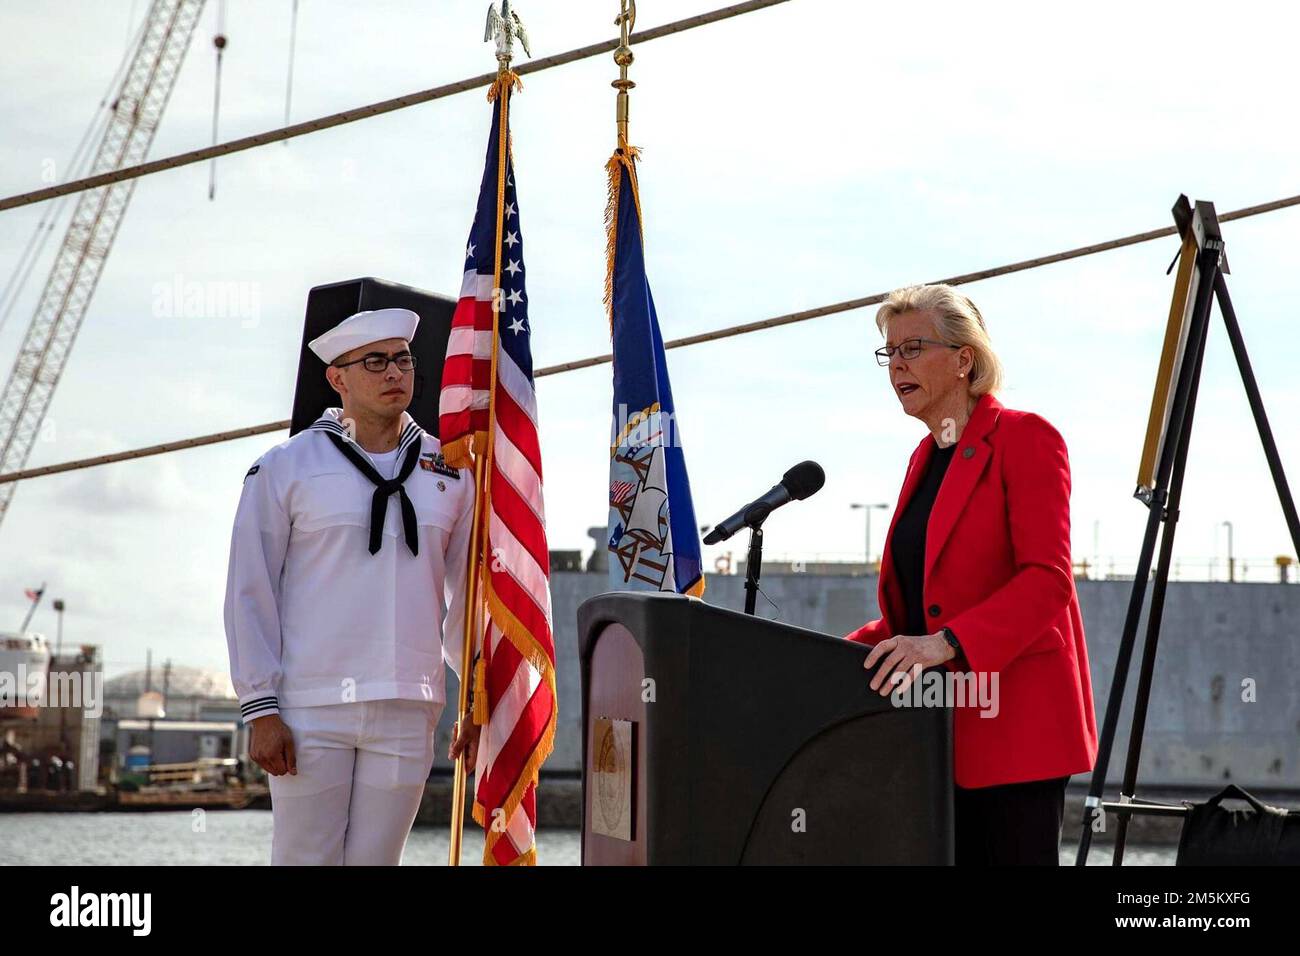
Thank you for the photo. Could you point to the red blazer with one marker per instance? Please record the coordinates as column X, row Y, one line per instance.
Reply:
column 998, row 572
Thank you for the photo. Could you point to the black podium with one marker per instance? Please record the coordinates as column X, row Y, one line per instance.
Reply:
column 714, row 737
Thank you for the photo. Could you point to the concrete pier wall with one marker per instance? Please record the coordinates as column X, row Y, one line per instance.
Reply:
column 1226, row 695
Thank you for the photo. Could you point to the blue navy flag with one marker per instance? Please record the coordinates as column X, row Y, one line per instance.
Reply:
column 654, row 542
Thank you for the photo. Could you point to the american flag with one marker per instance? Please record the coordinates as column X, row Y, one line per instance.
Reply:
column 34, row 594
column 488, row 406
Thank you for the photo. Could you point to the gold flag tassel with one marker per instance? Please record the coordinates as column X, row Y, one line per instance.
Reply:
column 457, row 453
column 480, row 691
column 506, row 78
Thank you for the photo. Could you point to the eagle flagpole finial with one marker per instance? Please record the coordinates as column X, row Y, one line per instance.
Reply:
column 505, row 27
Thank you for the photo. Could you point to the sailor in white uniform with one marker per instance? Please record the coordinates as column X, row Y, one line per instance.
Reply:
column 345, row 594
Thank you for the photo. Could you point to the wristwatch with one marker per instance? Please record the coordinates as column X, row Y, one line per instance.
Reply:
column 951, row 638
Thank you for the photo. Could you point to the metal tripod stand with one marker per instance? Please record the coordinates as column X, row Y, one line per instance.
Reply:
column 1202, row 267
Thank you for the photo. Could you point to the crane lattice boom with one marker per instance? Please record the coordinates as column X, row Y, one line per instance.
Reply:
column 133, row 121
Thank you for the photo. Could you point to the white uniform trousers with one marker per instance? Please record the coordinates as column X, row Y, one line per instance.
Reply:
column 362, row 767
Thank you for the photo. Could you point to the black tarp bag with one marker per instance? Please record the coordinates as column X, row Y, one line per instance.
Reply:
column 1258, row 835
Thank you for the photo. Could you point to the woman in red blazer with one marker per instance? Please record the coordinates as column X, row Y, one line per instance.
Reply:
column 976, row 576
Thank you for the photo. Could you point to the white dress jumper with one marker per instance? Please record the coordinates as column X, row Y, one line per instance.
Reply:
column 347, row 646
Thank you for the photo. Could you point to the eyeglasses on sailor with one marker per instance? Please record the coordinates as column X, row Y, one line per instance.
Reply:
column 377, row 362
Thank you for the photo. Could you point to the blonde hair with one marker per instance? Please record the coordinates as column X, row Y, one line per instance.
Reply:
column 956, row 321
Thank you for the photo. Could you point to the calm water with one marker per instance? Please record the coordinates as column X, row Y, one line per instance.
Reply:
column 243, row 838
column 221, row 838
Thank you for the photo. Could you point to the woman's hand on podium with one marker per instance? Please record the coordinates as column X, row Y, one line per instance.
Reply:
column 903, row 658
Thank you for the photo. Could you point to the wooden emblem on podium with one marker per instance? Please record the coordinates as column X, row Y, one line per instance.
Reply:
column 611, row 778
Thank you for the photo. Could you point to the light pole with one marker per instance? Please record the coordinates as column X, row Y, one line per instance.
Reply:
column 58, row 642
column 1096, row 548
column 1231, row 563
column 63, row 705
column 868, row 508
column 1214, row 561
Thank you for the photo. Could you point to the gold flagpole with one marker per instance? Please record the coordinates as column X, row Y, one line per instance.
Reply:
column 623, row 57
column 505, row 27
column 472, row 603
column 624, row 153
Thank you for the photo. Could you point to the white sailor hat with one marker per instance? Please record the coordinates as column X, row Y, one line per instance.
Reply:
column 362, row 329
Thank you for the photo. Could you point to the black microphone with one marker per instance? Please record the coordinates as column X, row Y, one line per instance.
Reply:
column 801, row 481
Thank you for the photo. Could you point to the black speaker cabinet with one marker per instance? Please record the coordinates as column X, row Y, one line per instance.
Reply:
column 328, row 305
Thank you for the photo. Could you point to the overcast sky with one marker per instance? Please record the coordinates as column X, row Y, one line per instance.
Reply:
column 794, row 157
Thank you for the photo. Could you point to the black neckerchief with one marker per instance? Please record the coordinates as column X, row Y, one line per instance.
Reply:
column 384, row 488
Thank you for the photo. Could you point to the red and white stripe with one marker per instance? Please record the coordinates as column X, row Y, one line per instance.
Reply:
column 520, row 673
column 463, row 401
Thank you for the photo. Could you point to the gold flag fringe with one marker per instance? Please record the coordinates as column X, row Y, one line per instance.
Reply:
column 624, row 155
column 527, row 645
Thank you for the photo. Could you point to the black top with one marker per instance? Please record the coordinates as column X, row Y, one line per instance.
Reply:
column 908, row 542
